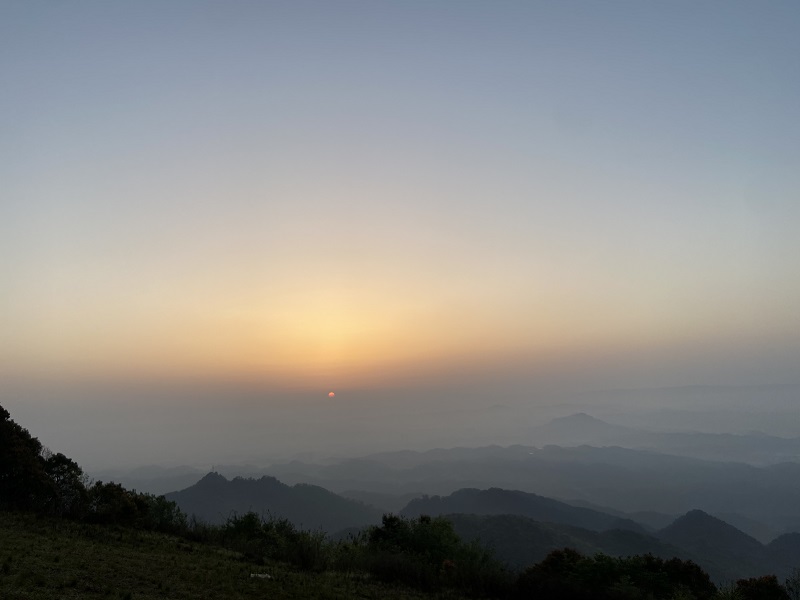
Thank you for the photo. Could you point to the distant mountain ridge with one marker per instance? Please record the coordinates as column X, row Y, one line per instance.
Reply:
column 582, row 428
column 719, row 548
column 152, row 479
column 520, row 527
column 214, row 498
column 495, row 501
column 650, row 486
column 521, row 541
column 753, row 448
column 722, row 545
column 623, row 479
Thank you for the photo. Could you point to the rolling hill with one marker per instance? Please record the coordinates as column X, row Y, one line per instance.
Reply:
column 214, row 498
column 497, row 501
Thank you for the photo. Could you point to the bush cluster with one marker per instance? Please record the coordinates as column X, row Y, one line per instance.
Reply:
column 566, row 574
column 32, row 478
column 426, row 553
column 260, row 538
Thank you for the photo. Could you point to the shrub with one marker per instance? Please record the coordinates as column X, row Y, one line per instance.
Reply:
column 761, row 588
column 426, row 553
column 278, row 539
column 567, row 574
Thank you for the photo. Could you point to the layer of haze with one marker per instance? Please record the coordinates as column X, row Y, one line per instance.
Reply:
column 212, row 214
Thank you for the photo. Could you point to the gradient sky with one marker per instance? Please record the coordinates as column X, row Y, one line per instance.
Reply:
column 372, row 196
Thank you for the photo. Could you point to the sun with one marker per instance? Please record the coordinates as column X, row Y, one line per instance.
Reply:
column 331, row 394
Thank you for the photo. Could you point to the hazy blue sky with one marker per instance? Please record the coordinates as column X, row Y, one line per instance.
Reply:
column 416, row 200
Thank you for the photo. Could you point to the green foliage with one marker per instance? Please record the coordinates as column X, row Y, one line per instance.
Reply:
column 568, row 574
column 102, row 562
column 24, row 484
column 792, row 584
column 162, row 515
column 433, row 540
column 423, row 553
column 110, row 503
column 34, row 479
column 276, row 539
column 68, row 486
column 728, row 591
column 427, row 554
column 766, row 587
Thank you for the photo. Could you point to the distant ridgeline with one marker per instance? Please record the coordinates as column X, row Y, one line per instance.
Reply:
column 522, row 528
column 214, row 499
column 418, row 548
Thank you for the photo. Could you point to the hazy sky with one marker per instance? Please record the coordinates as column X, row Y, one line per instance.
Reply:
column 433, row 197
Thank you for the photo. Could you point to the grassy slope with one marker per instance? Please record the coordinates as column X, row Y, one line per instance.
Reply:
column 44, row 559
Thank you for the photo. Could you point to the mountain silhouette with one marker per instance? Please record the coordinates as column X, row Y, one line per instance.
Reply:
column 496, row 501
column 726, row 551
column 754, row 448
column 214, row 498
column 581, row 428
column 784, row 551
column 521, row 541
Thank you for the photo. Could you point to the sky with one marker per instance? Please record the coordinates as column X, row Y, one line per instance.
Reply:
column 207, row 207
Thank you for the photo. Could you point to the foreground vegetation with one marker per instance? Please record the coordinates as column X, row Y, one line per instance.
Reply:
column 46, row 558
column 249, row 557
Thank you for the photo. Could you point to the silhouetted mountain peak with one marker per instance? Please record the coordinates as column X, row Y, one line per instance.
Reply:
column 582, row 427
column 698, row 527
column 788, row 542
column 698, row 515
column 497, row 501
column 214, row 498
column 212, row 479
column 579, row 418
column 696, row 520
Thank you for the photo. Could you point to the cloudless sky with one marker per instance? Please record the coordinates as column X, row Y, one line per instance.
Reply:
column 305, row 196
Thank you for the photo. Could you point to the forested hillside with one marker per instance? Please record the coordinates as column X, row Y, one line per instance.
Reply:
column 214, row 499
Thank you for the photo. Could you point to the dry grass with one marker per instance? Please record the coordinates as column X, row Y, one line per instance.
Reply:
column 46, row 559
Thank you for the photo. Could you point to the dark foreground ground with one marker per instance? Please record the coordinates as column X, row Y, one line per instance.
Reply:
column 45, row 559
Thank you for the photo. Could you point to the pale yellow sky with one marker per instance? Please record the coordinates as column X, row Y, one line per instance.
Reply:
column 314, row 199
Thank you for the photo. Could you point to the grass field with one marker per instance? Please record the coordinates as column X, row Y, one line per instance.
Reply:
column 42, row 558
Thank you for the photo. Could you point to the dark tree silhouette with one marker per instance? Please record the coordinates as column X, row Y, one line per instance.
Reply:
column 32, row 478
column 566, row 574
column 24, row 484
column 761, row 588
column 69, row 496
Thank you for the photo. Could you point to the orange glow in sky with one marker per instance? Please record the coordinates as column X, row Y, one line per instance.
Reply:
column 481, row 220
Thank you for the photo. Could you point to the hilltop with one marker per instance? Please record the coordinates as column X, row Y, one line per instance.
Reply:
column 495, row 501
column 214, row 498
